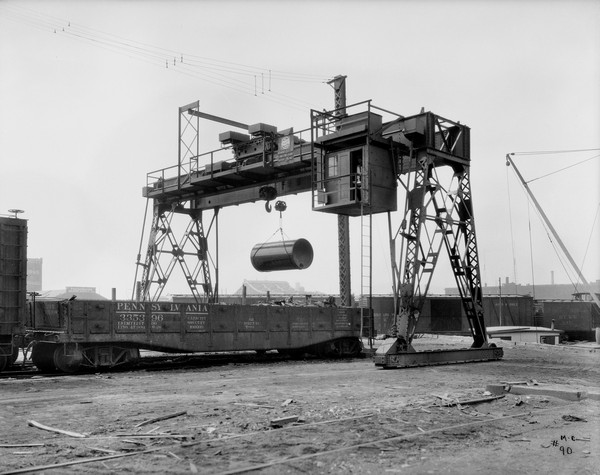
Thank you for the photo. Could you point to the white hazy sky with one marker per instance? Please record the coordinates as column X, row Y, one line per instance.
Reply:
column 82, row 123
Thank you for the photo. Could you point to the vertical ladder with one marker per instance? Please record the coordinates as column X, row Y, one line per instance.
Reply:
column 366, row 278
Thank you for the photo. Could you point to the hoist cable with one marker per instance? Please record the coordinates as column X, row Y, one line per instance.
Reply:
column 530, row 250
column 552, row 152
column 558, row 254
column 512, row 238
column 589, row 241
column 278, row 230
column 562, row 169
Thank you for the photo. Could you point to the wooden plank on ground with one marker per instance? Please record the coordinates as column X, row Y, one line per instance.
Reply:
column 58, row 431
column 161, row 418
column 40, row 468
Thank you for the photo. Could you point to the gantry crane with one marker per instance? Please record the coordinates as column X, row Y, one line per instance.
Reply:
column 352, row 160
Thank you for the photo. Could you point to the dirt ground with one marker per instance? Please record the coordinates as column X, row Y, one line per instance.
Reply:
column 343, row 417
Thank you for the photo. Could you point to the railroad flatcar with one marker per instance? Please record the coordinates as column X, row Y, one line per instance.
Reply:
column 13, row 286
column 67, row 335
column 73, row 334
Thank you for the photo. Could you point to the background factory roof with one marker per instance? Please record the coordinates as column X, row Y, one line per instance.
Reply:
column 275, row 287
column 82, row 293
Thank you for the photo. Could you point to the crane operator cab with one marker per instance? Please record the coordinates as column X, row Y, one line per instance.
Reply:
column 355, row 171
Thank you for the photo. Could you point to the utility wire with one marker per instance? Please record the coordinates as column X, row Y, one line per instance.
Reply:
column 218, row 72
column 587, row 248
column 40, row 19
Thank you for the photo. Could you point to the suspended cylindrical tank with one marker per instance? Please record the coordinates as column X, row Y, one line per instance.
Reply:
column 282, row 255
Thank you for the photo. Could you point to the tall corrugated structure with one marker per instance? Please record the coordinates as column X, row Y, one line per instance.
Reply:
column 13, row 285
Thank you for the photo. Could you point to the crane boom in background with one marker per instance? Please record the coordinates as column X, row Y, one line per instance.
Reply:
column 510, row 162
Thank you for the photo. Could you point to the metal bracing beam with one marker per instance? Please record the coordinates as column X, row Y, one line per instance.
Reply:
column 421, row 246
column 436, row 214
column 165, row 252
column 457, row 225
column 215, row 118
column 236, row 196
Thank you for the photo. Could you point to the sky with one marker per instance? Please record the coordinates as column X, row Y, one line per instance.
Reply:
column 88, row 107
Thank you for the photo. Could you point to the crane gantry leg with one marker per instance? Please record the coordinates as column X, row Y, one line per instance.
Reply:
column 165, row 252
column 436, row 214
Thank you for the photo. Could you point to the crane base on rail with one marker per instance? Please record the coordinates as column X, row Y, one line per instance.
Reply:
column 412, row 358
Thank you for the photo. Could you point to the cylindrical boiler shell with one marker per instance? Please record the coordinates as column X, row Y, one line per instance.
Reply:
column 282, row 255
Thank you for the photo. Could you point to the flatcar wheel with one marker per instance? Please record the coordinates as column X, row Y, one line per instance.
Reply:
column 15, row 355
column 4, row 360
column 67, row 358
column 335, row 349
column 42, row 356
column 354, row 348
column 134, row 356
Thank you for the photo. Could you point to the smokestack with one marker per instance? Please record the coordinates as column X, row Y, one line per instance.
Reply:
column 506, row 280
column 552, row 277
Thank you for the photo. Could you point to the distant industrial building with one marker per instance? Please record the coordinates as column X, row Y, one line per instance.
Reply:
column 538, row 292
column 82, row 293
column 273, row 287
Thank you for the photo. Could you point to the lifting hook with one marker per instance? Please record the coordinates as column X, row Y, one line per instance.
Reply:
column 267, row 193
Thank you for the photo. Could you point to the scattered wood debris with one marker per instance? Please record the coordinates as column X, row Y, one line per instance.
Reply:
column 15, row 446
column 252, row 404
column 40, row 468
column 561, row 392
column 149, row 436
column 161, row 418
column 529, row 382
column 570, row 418
column 446, row 402
column 136, row 442
column 58, row 431
column 106, row 451
column 280, row 422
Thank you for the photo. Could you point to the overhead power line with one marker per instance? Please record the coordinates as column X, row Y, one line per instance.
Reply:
column 228, row 74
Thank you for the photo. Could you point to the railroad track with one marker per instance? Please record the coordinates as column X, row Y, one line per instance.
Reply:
column 167, row 362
